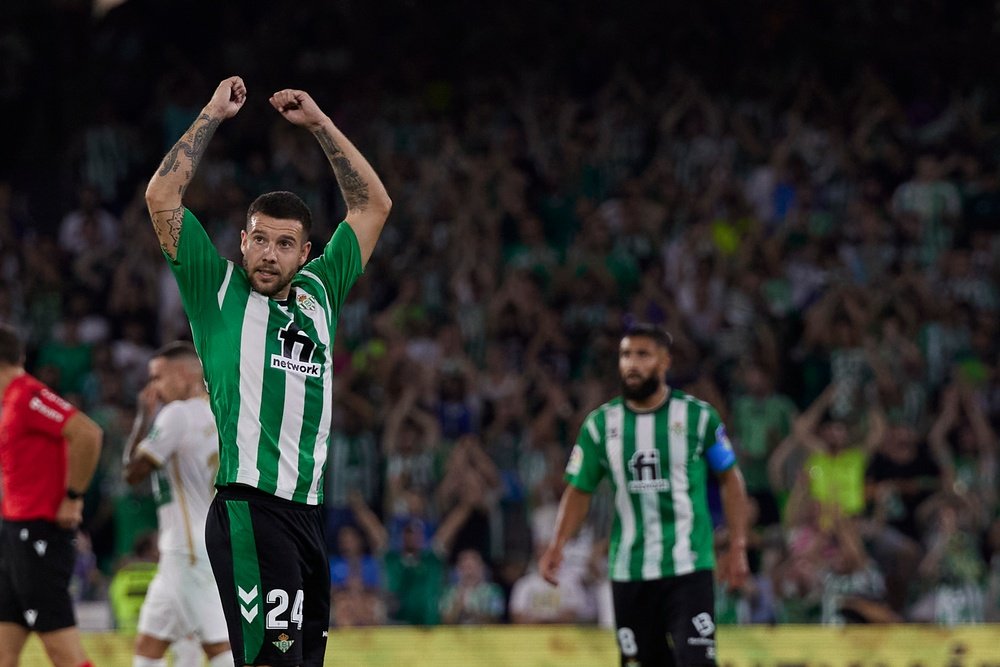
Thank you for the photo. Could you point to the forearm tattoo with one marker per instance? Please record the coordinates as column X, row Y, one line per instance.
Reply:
column 167, row 225
column 353, row 187
column 193, row 147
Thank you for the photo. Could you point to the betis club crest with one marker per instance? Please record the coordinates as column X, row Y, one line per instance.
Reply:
column 283, row 643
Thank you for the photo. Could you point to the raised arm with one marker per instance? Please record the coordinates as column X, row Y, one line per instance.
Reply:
column 937, row 438
column 166, row 188
column 804, row 428
column 368, row 203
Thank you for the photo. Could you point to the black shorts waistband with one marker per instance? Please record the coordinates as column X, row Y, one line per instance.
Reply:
column 31, row 523
column 256, row 496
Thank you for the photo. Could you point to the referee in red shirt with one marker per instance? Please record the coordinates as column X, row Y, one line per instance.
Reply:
column 48, row 452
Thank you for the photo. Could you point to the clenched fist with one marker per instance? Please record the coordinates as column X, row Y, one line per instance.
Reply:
column 228, row 98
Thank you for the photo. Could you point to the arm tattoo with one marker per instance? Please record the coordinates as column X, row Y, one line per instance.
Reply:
column 167, row 225
column 353, row 187
column 206, row 126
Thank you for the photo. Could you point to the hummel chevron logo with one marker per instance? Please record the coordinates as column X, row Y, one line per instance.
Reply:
column 246, row 597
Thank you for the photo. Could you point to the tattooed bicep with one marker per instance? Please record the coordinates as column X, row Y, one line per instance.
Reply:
column 167, row 225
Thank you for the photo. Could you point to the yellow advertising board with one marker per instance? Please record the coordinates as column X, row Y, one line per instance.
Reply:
column 511, row 646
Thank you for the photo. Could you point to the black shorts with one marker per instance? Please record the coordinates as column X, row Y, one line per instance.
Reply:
column 666, row 622
column 270, row 562
column 36, row 563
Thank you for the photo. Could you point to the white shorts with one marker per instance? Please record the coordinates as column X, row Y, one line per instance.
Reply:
column 183, row 599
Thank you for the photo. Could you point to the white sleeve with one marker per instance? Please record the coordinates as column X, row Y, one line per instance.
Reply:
column 166, row 435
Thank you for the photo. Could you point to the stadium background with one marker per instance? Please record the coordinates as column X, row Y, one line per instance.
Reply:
column 806, row 194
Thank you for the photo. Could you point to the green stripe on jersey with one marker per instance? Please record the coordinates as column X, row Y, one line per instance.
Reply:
column 246, row 575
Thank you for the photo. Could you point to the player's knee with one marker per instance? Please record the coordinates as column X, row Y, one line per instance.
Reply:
column 150, row 647
column 223, row 659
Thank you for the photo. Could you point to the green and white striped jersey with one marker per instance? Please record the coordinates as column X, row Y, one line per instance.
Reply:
column 267, row 363
column 657, row 465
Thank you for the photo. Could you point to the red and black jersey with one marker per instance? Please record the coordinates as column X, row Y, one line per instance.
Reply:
column 32, row 450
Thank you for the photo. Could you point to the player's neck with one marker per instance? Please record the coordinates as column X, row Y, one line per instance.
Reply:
column 196, row 391
column 654, row 402
column 7, row 375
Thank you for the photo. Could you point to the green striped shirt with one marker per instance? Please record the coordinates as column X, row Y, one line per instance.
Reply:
column 657, row 468
column 268, row 363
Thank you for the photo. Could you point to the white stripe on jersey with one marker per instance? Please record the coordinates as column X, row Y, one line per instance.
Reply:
column 320, row 450
column 649, row 502
column 225, row 284
column 253, row 337
column 614, row 424
column 683, row 508
column 319, row 283
column 592, row 427
column 288, row 439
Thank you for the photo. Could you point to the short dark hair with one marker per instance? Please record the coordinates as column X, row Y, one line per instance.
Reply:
column 282, row 205
column 11, row 347
column 179, row 349
column 657, row 334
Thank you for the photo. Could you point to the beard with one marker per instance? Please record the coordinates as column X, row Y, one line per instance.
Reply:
column 268, row 291
column 641, row 391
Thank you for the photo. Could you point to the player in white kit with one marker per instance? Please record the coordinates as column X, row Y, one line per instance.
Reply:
column 180, row 451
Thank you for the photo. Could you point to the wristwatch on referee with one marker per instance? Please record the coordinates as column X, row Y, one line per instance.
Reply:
column 73, row 495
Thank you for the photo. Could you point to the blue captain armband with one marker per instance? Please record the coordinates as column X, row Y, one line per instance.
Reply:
column 720, row 455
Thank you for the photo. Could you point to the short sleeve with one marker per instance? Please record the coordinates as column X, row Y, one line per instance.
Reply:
column 338, row 267
column 165, row 436
column 46, row 412
column 198, row 268
column 718, row 448
column 586, row 468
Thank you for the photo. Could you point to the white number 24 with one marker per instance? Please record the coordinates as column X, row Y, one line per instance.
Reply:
column 279, row 598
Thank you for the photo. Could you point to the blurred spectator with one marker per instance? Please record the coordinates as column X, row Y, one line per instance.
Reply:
column 69, row 356
column 89, row 227
column 853, row 587
column 410, row 441
column 966, row 452
column 415, row 571
column 835, row 468
column 952, row 571
column 355, row 605
column 472, row 598
column 471, row 476
column 762, row 419
column 352, row 462
column 352, row 563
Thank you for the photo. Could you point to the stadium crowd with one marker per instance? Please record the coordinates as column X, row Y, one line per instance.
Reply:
column 823, row 248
